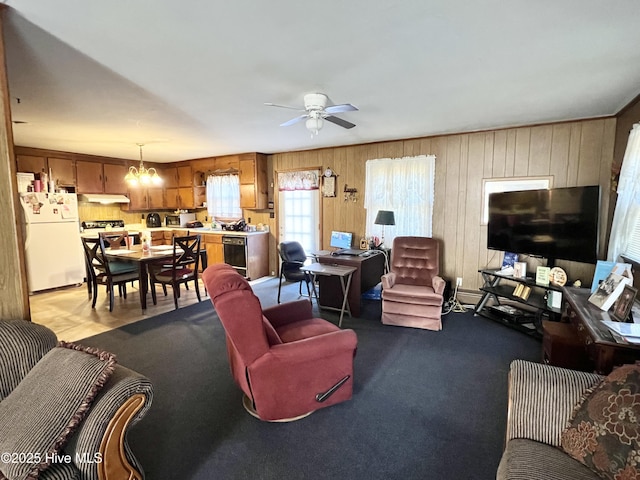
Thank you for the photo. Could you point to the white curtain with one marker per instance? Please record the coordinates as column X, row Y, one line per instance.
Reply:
column 223, row 196
column 627, row 212
column 404, row 186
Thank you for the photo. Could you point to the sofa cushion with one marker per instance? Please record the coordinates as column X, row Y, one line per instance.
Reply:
column 24, row 343
column 530, row 460
column 604, row 431
column 39, row 415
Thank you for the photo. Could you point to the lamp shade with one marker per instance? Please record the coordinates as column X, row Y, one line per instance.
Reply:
column 385, row 217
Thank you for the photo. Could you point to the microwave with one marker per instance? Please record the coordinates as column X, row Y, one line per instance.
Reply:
column 172, row 220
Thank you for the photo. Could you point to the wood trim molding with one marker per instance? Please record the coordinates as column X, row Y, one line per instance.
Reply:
column 114, row 465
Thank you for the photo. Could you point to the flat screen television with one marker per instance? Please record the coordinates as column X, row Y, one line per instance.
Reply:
column 558, row 223
column 341, row 239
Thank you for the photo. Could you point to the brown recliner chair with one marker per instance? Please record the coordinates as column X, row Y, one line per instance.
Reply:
column 287, row 363
column 412, row 292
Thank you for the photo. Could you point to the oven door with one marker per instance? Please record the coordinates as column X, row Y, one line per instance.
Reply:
column 235, row 253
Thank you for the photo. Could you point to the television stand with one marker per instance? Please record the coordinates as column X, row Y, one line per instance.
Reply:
column 525, row 315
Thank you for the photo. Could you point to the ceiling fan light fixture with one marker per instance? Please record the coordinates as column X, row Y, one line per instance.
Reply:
column 314, row 124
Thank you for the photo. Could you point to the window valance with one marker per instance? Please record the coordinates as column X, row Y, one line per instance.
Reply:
column 299, row 180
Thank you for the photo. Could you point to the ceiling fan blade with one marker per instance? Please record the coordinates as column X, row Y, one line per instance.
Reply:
column 345, row 107
column 294, row 120
column 339, row 121
column 269, row 104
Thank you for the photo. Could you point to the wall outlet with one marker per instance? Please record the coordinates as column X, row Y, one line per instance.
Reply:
column 459, row 282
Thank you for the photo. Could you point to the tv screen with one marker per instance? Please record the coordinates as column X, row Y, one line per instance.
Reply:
column 559, row 223
column 341, row 239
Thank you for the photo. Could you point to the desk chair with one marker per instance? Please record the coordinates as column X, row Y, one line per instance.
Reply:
column 106, row 272
column 293, row 257
column 183, row 268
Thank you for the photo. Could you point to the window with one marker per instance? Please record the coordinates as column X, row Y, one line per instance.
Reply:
column 625, row 230
column 223, row 197
column 299, row 208
column 497, row 185
column 405, row 186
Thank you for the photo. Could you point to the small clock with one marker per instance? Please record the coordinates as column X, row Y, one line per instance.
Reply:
column 328, row 172
column 558, row 276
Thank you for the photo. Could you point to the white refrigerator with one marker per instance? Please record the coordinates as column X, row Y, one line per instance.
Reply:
column 53, row 248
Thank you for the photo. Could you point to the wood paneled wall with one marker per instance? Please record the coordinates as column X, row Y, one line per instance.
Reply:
column 574, row 153
column 14, row 300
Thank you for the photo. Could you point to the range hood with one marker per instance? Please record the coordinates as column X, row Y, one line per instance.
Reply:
column 103, row 198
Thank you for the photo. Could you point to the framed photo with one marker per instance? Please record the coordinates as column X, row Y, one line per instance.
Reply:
column 622, row 306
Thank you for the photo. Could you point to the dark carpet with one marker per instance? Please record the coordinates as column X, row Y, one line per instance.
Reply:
column 426, row 405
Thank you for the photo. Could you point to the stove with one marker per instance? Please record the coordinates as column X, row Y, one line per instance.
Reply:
column 102, row 224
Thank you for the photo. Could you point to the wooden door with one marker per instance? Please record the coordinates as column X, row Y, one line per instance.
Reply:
column 30, row 163
column 185, row 196
column 89, row 176
column 114, row 178
column 170, row 177
column 62, row 171
column 155, row 197
column 171, row 198
column 185, row 177
column 138, row 197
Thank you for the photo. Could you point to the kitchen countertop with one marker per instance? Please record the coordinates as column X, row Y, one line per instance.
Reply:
column 137, row 228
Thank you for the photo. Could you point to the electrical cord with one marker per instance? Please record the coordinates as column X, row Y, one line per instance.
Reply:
column 454, row 304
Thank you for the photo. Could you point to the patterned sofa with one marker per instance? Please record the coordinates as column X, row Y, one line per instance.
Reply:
column 568, row 425
column 65, row 409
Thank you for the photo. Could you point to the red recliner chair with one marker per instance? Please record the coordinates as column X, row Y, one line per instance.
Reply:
column 287, row 363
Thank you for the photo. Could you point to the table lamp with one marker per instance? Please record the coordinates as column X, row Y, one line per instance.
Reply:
column 384, row 217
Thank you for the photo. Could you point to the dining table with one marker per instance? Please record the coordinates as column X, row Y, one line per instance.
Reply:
column 136, row 254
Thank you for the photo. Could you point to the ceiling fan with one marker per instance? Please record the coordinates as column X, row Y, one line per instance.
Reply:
column 316, row 112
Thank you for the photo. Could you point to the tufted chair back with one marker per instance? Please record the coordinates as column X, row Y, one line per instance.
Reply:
column 415, row 260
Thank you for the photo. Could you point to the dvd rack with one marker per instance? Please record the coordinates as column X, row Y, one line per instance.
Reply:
column 520, row 303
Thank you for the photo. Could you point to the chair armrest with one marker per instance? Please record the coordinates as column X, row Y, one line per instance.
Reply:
column 438, row 285
column 388, row 280
column 311, row 351
column 24, row 343
column 122, row 402
column 288, row 312
column 542, row 399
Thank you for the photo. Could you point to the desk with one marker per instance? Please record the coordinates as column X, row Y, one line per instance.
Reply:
column 602, row 347
column 343, row 273
column 367, row 275
column 142, row 258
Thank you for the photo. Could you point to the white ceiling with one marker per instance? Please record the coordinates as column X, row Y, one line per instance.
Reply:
column 189, row 78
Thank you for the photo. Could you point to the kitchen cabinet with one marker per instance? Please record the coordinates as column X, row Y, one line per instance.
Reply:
column 185, row 177
column 150, row 198
column 30, row 163
column 213, row 246
column 181, row 197
column 114, row 178
column 62, row 171
column 253, row 180
column 170, row 177
column 89, row 176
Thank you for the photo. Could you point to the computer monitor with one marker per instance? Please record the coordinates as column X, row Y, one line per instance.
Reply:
column 341, row 239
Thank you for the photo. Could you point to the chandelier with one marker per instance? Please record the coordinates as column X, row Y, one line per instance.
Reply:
column 141, row 175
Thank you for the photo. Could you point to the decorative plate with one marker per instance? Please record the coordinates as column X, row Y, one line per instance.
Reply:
column 558, row 276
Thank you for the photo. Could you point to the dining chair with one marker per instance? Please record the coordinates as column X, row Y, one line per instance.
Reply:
column 182, row 268
column 115, row 240
column 101, row 270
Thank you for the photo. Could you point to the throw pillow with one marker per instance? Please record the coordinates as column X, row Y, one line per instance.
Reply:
column 40, row 414
column 604, row 431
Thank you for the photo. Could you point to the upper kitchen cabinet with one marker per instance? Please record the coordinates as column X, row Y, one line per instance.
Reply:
column 89, row 176
column 253, row 180
column 185, row 178
column 114, row 178
column 30, row 163
column 146, row 198
column 62, row 171
column 175, row 198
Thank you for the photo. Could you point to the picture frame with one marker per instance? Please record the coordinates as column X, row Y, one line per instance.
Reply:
column 329, row 186
column 624, row 303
